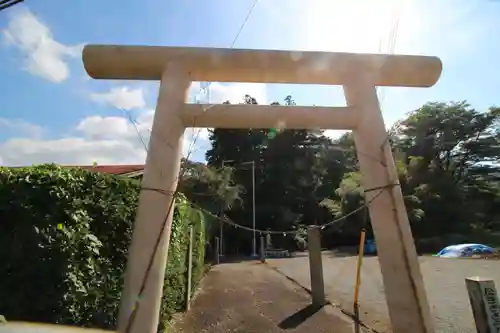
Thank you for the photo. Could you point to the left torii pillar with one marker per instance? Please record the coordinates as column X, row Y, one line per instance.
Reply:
column 156, row 206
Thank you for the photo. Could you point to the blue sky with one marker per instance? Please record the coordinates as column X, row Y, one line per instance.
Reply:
column 52, row 112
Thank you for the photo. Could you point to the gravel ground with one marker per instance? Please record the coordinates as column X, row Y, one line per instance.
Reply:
column 249, row 297
column 443, row 278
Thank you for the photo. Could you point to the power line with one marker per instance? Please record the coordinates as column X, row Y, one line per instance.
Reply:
column 158, row 240
column 136, row 125
column 155, row 249
column 156, row 246
column 206, row 86
column 391, row 43
column 380, row 190
column 4, row 4
column 244, row 23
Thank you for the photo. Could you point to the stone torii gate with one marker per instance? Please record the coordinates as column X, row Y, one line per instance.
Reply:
column 359, row 74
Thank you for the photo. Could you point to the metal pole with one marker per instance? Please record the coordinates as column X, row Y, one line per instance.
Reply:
column 253, row 206
column 190, row 268
column 358, row 271
column 262, row 250
column 216, row 252
column 221, row 249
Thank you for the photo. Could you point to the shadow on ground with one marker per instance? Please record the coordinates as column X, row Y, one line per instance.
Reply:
column 299, row 317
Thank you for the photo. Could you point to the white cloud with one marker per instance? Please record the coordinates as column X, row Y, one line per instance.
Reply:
column 334, row 134
column 234, row 92
column 116, row 140
column 105, row 140
column 97, row 127
column 22, row 127
column 73, row 150
column 121, row 97
column 44, row 56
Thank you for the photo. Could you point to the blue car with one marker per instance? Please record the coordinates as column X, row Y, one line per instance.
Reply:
column 464, row 250
column 370, row 247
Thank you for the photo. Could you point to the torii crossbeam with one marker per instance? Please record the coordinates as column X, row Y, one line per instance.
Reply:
column 359, row 74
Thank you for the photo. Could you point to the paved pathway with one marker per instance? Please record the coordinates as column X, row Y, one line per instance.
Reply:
column 254, row 298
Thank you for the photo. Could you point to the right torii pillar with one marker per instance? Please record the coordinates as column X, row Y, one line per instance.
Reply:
column 403, row 283
column 359, row 74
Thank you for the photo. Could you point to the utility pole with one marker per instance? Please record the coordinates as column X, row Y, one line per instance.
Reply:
column 221, row 245
column 254, row 242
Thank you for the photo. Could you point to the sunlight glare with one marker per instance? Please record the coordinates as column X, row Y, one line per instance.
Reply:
column 356, row 25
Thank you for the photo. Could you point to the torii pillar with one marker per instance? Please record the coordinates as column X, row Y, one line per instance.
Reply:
column 359, row 74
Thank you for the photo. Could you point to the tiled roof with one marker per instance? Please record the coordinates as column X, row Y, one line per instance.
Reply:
column 113, row 169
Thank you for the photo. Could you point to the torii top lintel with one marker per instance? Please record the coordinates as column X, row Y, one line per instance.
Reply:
column 265, row 66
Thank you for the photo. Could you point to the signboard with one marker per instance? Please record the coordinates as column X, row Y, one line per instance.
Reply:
column 492, row 305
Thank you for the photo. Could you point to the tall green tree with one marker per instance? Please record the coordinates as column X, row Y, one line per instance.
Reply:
column 447, row 160
column 452, row 152
column 292, row 173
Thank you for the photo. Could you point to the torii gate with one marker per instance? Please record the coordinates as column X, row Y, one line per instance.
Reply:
column 359, row 74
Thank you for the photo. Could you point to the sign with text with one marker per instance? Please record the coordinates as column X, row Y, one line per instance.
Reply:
column 491, row 304
column 485, row 305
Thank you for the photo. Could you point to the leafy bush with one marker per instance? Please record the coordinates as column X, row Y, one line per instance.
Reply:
column 64, row 236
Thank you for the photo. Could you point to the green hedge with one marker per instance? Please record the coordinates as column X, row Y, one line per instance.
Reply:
column 174, row 299
column 64, row 235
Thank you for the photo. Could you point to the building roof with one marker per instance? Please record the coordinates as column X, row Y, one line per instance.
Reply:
column 128, row 170
column 113, row 169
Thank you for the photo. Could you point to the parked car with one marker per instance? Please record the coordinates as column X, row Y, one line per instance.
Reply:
column 370, row 247
column 464, row 250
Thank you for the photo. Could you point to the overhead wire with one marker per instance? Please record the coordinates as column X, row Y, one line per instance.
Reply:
column 4, row 4
column 136, row 125
column 243, row 23
column 137, row 302
column 393, row 33
column 336, row 221
column 391, row 43
column 205, row 86
column 233, row 42
column 228, row 221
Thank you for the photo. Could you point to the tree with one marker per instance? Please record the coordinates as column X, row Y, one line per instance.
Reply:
column 452, row 151
column 292, row 174
column 447, row 161
column 447, row 158
column 209, row 187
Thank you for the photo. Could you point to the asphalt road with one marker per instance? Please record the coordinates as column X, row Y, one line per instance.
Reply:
column 443, row 278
